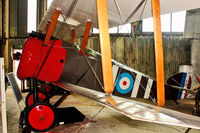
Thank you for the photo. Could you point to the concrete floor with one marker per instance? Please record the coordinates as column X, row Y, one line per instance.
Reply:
column 107, row 120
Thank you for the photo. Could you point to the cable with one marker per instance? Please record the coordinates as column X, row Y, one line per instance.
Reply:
column 94, row 73
column 98, row 113
column 130, row 37
column 92, row 118
column 43, row 62
column 135, row 10
column 153, row 99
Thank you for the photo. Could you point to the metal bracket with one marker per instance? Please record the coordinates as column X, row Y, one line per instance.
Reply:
column 15, row 89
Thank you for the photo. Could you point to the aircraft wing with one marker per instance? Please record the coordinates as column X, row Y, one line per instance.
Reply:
column 137, row 110
column 77, row 12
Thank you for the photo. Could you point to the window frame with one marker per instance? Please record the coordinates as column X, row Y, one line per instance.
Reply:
column 163, row 32
column 117, row 30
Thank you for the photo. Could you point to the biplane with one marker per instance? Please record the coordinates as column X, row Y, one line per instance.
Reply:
column 56, row 65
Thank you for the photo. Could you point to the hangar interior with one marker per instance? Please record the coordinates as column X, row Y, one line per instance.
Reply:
column 132, row 44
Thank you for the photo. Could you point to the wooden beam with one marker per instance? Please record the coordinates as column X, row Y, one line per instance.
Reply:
column 22, row 18
column 6, row 51
column 85, row 38
column 105, row 45
column 13, row 18
column 52, row 26
column 158, row 53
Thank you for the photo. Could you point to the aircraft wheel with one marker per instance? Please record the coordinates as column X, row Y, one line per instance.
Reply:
column 41, row 117
column 42, row 97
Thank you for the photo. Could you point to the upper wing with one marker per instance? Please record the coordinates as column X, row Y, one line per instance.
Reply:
column 137, row 110
column 77, row 12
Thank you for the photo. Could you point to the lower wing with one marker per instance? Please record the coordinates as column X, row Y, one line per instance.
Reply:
column 137, row 110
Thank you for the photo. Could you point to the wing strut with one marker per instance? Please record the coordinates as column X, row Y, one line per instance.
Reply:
column 158, row 52
column 73, row 36
column 52, row 26
column 85, row 38
column 105, row 45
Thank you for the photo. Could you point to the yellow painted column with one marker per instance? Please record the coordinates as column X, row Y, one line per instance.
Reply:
column 158, row 53
column 105, row 45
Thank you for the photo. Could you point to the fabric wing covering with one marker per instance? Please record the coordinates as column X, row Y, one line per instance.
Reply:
column 76, row 12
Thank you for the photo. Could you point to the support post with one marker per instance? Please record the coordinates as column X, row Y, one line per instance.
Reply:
column 6, row 51
column 73, row 36
column 105, row 45
column 52, row 26
column 158, row 53
column 3, row 97
column 85, row 38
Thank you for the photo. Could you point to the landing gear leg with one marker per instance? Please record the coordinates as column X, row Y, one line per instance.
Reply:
column 35, row 91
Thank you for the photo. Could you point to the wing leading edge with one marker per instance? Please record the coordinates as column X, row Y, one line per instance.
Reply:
column 137, row 110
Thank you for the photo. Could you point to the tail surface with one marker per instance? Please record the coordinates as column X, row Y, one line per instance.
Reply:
column 182, row 80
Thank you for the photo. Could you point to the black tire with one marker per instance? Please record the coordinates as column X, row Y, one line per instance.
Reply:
column 31, row 94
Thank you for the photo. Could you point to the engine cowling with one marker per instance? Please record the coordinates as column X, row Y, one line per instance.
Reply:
column 40, row 61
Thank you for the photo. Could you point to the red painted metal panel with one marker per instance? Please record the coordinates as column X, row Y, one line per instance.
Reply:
column 33, row 56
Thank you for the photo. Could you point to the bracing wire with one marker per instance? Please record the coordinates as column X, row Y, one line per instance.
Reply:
column 130, row 37
column 92, row 118
column 93, row 71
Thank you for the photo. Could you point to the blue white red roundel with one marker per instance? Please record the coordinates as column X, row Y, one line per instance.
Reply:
column 124, row 83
